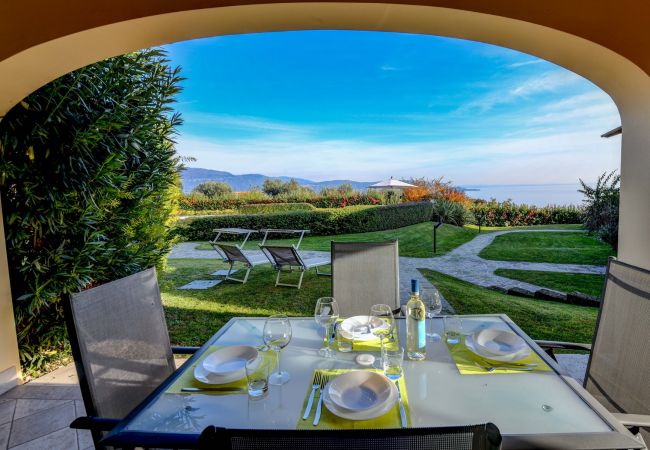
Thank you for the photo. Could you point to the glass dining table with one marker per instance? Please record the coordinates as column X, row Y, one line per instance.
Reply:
column 532, row 409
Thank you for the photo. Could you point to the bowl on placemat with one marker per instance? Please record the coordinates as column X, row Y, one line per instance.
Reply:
column 360, row 395
column 226, row 364
column 498, row 345
column 348, row 325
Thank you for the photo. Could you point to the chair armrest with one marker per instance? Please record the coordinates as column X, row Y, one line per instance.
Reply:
column 633, row 420
column 184, row 350
column 94, row 423
column 557, row 345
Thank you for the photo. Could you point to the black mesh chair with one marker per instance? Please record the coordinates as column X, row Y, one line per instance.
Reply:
column 120, row 345
column 473, row 437
column 619, row 363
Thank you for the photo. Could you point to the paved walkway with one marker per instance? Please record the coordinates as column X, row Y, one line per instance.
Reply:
column 463, row 263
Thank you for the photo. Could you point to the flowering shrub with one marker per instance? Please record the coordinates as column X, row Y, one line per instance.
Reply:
column 508, row 214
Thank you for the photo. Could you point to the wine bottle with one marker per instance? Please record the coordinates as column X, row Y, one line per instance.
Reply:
column 416, row 344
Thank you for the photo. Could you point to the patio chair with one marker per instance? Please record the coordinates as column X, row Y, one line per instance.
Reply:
column 120, row 344
column 474, row 437
column 363, row 274
column 619, row 362
column 287, row 258
column 235, row 253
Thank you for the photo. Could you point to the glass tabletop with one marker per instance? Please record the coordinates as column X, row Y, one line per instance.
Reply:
column 526, row 403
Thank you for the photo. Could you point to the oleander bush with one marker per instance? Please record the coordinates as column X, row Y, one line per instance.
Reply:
column 270, row 208
column 89, row 182
column 601, row 207
column 508, row 214
column 321, row 222
column 237, row 201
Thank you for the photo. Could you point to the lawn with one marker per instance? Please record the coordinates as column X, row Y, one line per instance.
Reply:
column 566, row 282
column 566, row 248
column 195, row 315
column 538, row 318
column 414, row 240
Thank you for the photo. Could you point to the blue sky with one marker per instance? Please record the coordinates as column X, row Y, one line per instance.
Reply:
column 367, row 105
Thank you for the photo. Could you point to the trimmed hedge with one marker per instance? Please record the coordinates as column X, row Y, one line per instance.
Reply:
column 270, row 208
column 323, row 222
column 199, row 203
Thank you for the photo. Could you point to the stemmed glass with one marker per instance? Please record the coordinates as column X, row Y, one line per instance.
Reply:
column 326, row 314
column 385, row 314
column 277, row 335
column 433, row 303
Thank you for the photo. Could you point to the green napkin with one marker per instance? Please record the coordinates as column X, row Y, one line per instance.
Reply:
column 187, row 380
column 330, row 421
column 467, row 361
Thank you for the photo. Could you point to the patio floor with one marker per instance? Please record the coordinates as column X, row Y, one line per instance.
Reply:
column 36, row 415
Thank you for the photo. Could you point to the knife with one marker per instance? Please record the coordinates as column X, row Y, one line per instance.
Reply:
column 318, row 408
column 215, row 389
column 402, row 413
column 310, row 402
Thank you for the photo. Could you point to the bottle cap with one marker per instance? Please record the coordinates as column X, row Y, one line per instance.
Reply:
column 415, row 286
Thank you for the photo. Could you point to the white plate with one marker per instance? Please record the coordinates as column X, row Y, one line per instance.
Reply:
column 348, row 325
column 469, row 343
column 498, row 342
column 202, row 375
column 361, row 415
column 359, row 390
column 229, row 360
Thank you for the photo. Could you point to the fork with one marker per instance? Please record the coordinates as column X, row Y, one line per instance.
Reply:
column 493, row 368
column 324, row 380
column 310, row 402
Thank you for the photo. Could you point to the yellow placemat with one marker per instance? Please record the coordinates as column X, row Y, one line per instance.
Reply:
column 187, row 380
column 373, row 345
column 330, row 421
column 467, row 361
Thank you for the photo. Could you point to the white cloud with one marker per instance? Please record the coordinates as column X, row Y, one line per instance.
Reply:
column 245, row 123
column 516, row 91
column 389, row 68
column 557, row 158
column 525, row 63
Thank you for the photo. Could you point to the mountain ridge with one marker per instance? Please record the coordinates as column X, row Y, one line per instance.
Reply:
column 192, row 176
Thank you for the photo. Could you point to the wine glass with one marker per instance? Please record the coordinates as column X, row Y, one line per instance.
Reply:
column 433, row 303
column 385, row 314
column 326, row 314
column 277, row 335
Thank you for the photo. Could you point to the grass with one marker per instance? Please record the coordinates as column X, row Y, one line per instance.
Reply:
column 414, row 240
column 195, row 315
column 566, row 282
column 565, row 248
column 538, row 318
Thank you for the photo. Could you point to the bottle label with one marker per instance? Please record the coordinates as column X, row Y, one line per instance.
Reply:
column 422, row 334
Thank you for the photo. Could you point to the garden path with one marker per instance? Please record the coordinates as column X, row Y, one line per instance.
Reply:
column 463, row 263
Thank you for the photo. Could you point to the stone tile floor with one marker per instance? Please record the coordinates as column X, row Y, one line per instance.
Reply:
column 37, row 415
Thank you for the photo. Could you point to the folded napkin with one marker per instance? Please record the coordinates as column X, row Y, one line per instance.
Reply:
column 187, row 380
column 330, row 421
column 373, row 345
column 467, row 361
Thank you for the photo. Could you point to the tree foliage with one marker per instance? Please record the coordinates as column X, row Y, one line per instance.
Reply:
column 601, row 207
column 89, row 180
column 212, row 189
column 275, row 187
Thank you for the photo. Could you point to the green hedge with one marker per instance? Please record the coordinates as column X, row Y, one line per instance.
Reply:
column 270, row 208
column 510, row 215
column 201, row 203
column 323, row 222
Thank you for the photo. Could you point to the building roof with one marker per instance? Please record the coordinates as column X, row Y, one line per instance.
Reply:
column 614, row 132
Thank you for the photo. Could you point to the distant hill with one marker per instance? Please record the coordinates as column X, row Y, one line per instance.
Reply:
column 192, row 176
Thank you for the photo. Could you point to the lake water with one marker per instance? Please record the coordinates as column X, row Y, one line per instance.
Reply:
column 531, row 194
